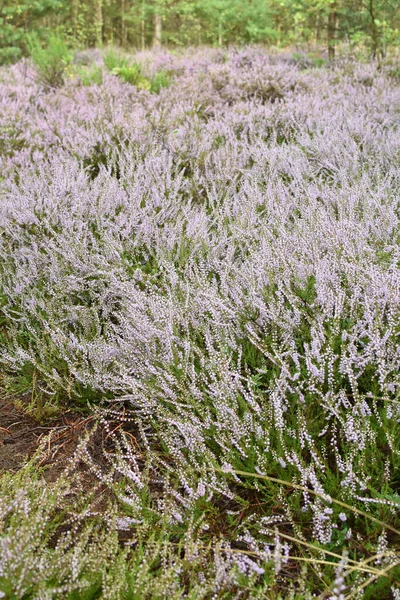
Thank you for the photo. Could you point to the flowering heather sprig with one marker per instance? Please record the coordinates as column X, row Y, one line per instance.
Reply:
column 56, row 543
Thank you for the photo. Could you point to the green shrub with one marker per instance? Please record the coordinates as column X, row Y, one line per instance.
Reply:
column 394, row 73
column 90, row 76
column 131, row 73
column 318, row 62
column 309, row 61
column 50, row 62
column 114, row 60
column 162, row 79
column 10, row 54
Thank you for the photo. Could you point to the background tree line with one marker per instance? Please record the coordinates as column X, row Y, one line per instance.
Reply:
column 374, row 24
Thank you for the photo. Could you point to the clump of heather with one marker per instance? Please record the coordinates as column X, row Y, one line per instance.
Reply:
column 219, row 261
column 58, row 542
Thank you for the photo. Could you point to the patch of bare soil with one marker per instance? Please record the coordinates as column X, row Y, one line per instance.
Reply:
column 21, row 436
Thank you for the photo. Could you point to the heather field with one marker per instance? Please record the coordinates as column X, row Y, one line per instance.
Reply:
column 199, row 328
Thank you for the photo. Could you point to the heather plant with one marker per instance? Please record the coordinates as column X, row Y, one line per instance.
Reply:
column 219, row 264
column 57, row 543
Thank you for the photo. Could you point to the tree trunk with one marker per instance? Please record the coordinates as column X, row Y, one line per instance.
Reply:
column 374, row 30
column 123, row 24
column 142, row 33
column 143, row 27
column 332, row 22
column 99, row 22
column 74, row 15
column 318, row 29
column 157, row 30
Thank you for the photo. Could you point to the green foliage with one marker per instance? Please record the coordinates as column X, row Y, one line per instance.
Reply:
column 115, row 60
column 90, row 75
column 132, row 74
column 10, row 39
column 395, row 73
column 162, row 79
column 51, row 61
column 18, row 19
column 10, row 54
column 119, row 65
column 309, row 60
column 372, row 26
